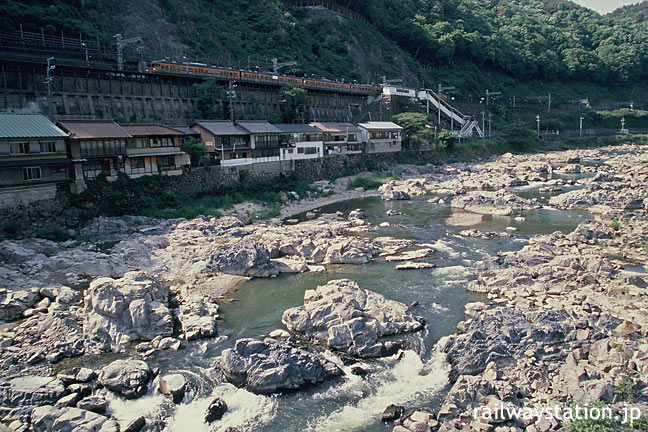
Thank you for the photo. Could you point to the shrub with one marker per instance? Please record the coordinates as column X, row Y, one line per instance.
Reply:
column 12, row 229
column 53, row 232
column 446, row 140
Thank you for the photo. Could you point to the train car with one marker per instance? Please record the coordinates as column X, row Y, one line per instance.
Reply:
column 202, row 70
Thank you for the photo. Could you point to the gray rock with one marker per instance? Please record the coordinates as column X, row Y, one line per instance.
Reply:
column 93, row 403
column 392, row 412
column 68, row 401
column 173, row 386
column 128, row 378
column 269, row 366
column 246, row 258
column 197, row 317
column 136, row 425
column 347, row 318
column 14, row 303
column 19, row 395
column 216, row 410
column 53, row 419
column 124, row 310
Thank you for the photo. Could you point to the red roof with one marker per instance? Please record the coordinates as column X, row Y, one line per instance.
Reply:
column 152, row 129
column 93, row 129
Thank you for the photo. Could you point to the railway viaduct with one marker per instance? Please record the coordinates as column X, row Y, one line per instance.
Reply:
column 77, row 91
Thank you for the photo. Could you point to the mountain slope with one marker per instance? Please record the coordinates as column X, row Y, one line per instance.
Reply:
column 468, row 43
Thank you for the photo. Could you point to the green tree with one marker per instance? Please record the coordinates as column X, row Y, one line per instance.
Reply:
column 212, row 100
column 293, row 104
column 446, row 140
column 195, row 149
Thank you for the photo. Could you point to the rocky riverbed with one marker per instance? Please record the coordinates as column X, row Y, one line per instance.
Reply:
column 564, row 319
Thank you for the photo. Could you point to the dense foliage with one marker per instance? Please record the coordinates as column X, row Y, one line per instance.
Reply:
column 549, row 40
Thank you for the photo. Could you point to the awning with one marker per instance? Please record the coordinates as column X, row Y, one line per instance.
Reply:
column 34, row 162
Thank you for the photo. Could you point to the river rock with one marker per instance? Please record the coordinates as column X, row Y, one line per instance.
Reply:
column 500, row 203
column 93, row 403
column 270, row 366
column 19, row 395
column 246, row 258
column 67, row 419
column 173, row 386
column 119, row 311
column 14, row 303
column 128, row 378
column 197, row 316
column 216, row 410
column 136, row 425
column 350, row 319
column 392, row 412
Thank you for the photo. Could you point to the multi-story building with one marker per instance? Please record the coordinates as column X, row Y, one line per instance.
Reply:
column 340, row 138
column 381, row 137
column 264, row 140
column 226, row 144
column 104, row 147
column 154, row 149
column 300, row 141
column 34, row 161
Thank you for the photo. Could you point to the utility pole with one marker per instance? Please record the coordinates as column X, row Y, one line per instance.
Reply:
column 490, row 119
column 538, row 120
column 85, row 47
column 441, row 90
column 121, row 43
column 483, row 124
column 48, row 82
column 231, row 95
column 581, row 125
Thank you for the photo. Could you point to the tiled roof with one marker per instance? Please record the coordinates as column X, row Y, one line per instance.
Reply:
column 380, row 126
column 28, row 126
column 258, row 126
column 297, row 128
column 220, row 127
column 335, row 127
column 93, row 129
column 185, row 130
column 140, row 130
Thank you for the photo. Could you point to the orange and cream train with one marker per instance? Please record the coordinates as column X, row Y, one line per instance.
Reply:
column 194, row 69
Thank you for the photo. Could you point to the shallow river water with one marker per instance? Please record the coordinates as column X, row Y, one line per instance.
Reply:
column 350, row 403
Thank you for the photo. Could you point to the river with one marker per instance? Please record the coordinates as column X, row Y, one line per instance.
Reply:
column 350, row 403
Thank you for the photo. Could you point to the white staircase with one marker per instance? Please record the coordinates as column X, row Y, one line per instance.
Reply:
column 465, row 123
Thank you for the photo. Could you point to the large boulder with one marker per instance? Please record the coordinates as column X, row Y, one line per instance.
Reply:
column 128, row 378
column 269, row 366
column 350, row 319
column 68, row 419
column 197, row 316
column 119, row 311
column 246, row 258
column 19, row 395
column 173, row 386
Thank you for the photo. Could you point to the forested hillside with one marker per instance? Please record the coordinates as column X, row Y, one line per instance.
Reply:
column 465, row 42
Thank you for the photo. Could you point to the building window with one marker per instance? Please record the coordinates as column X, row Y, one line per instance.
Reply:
column 103, row 147
column 19, row 147
column 161, row 142
column 138, row 165
column 166, row 163
column 31, row 173
column 48, row 147
column 92, row 168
